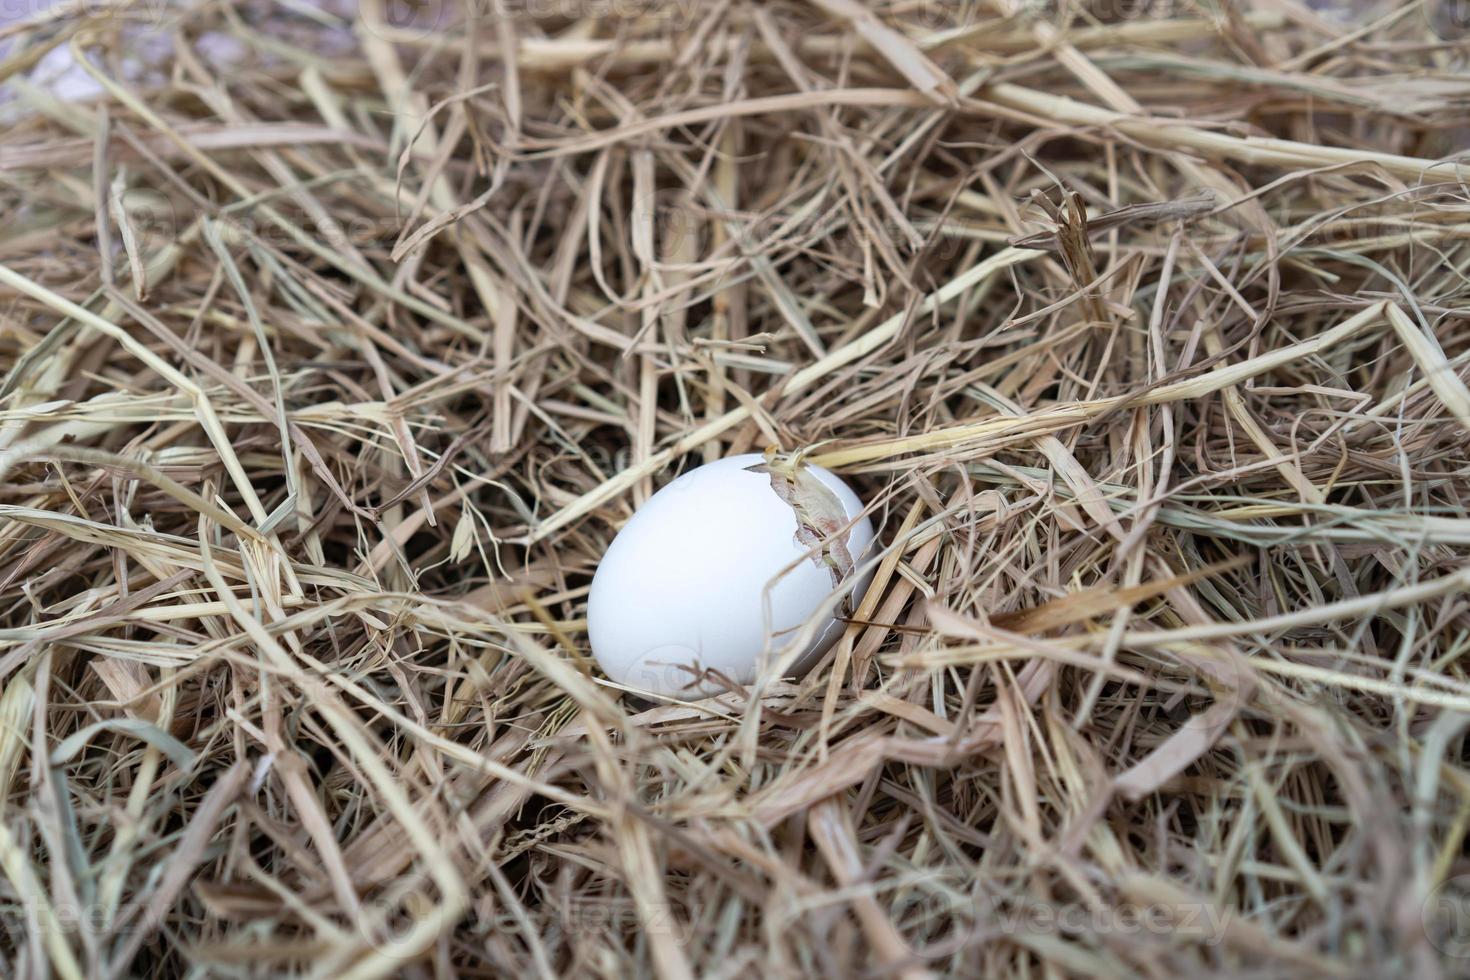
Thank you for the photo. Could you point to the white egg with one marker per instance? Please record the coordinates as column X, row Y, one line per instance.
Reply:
column 709, row 574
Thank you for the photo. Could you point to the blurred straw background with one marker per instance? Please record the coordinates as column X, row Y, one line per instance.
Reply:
column 338, row 341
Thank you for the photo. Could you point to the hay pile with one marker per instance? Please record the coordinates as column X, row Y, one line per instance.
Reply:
column 328, row 380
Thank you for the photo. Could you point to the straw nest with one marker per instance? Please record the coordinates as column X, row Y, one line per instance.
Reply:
column 338, row 345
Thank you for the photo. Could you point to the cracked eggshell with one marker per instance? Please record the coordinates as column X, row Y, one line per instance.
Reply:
column 709, row 574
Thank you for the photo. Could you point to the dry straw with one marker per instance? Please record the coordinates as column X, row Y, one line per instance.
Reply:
column 337, row 344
